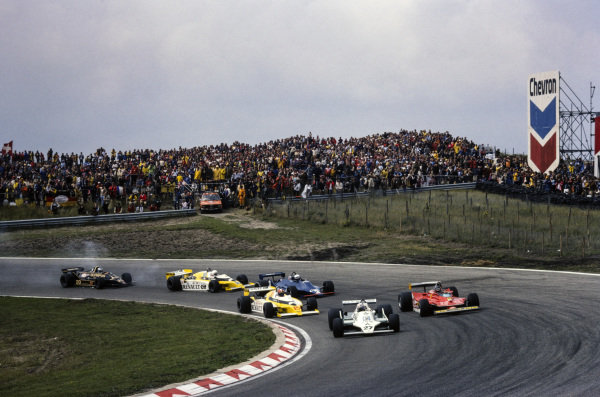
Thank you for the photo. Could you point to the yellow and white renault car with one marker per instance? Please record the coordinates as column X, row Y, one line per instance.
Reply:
column 275, row 302
column 209, row 280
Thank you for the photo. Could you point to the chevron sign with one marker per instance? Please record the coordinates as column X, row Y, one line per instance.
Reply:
column 543, row 121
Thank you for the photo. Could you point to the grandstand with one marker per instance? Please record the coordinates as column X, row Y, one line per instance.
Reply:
column 297, row 166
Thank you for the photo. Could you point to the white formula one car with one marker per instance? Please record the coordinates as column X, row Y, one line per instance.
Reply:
column 363, row 320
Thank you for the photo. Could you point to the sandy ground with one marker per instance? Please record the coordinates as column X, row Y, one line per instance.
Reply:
column 149, row 239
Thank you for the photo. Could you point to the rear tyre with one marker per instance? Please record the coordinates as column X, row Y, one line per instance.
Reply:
column 99, row 283
column 311, row 304
column 387, row 309
column 332, row 314
column 67, row 280
column 454, row 291
column 395, row 322
column 174, row 283
column 213, row 286
column 338, row 327
column 242, row 278
column 472, row 300
column 425, row 308
column 328, row 287
column 384, row 309
column 127, row 277
column 405, row 301
column 263, row 283
column 244, row 304
column 268, row 310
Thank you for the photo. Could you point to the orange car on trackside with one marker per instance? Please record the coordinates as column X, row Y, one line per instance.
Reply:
column 211, row 202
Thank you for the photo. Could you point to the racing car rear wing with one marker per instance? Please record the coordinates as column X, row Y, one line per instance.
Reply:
column 424, row 285
column 274, row 274
column 258, row 290
column 357, row 301
column 72, row 269
column 179, row 272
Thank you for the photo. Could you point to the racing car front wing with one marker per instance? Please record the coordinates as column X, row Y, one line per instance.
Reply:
column 359, row 332
column 306, row 313
column 452, row 310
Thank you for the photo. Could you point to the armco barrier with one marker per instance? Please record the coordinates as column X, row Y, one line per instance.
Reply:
column 93, row 219
column 344, row 196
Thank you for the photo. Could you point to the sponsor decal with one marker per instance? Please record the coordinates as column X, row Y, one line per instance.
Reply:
column 194, row 285
column 543, row 118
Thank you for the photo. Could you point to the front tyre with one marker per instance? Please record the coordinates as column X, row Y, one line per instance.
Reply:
column 293, row 291
column 127, row 278
column 244, row 304
column 472, row 300
column 395, row 322
column 268, row 310
column 242, row 278
column 311, row 304
column 213, row 286
column 425, row 309
column 332, row 314
column 328, row 287
column 338, row 327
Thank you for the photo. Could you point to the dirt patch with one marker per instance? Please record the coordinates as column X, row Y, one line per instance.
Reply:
column 334, row 252
column 34, row 354
column 125, row 240
column 478, row 263
column 248, row 222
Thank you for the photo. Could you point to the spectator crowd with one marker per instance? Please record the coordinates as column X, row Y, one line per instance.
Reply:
column 139, row 180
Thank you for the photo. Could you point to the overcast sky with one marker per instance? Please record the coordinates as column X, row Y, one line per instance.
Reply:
column 78, row 75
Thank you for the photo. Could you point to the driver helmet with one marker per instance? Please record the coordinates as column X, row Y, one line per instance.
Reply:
column 280, row 291
column 99, row 269
column 361, row 307
column 438, row 287
column 212, row 273
column 296, row 277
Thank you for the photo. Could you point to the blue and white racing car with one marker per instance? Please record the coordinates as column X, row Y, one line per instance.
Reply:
column 296, row 285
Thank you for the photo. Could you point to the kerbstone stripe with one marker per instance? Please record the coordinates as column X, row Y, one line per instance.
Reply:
column 287, row 350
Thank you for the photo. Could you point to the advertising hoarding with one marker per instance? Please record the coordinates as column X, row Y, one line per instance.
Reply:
column 543, row 121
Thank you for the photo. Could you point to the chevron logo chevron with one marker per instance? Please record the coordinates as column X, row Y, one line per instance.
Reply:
column 543, row 155
column 542, row 121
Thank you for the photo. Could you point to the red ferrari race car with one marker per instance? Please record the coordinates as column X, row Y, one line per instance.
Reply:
column 437, row 300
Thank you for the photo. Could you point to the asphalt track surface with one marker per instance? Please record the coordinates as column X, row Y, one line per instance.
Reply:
column 537, row 334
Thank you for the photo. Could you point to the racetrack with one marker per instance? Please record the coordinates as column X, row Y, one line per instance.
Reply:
column 537, row 333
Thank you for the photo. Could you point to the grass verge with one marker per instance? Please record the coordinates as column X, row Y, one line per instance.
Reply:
column 58, row 347
column 467, row 228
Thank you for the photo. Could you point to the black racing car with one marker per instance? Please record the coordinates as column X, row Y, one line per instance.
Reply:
column 95, row 277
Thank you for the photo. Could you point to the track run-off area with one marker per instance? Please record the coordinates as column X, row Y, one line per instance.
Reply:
column 537, row 333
